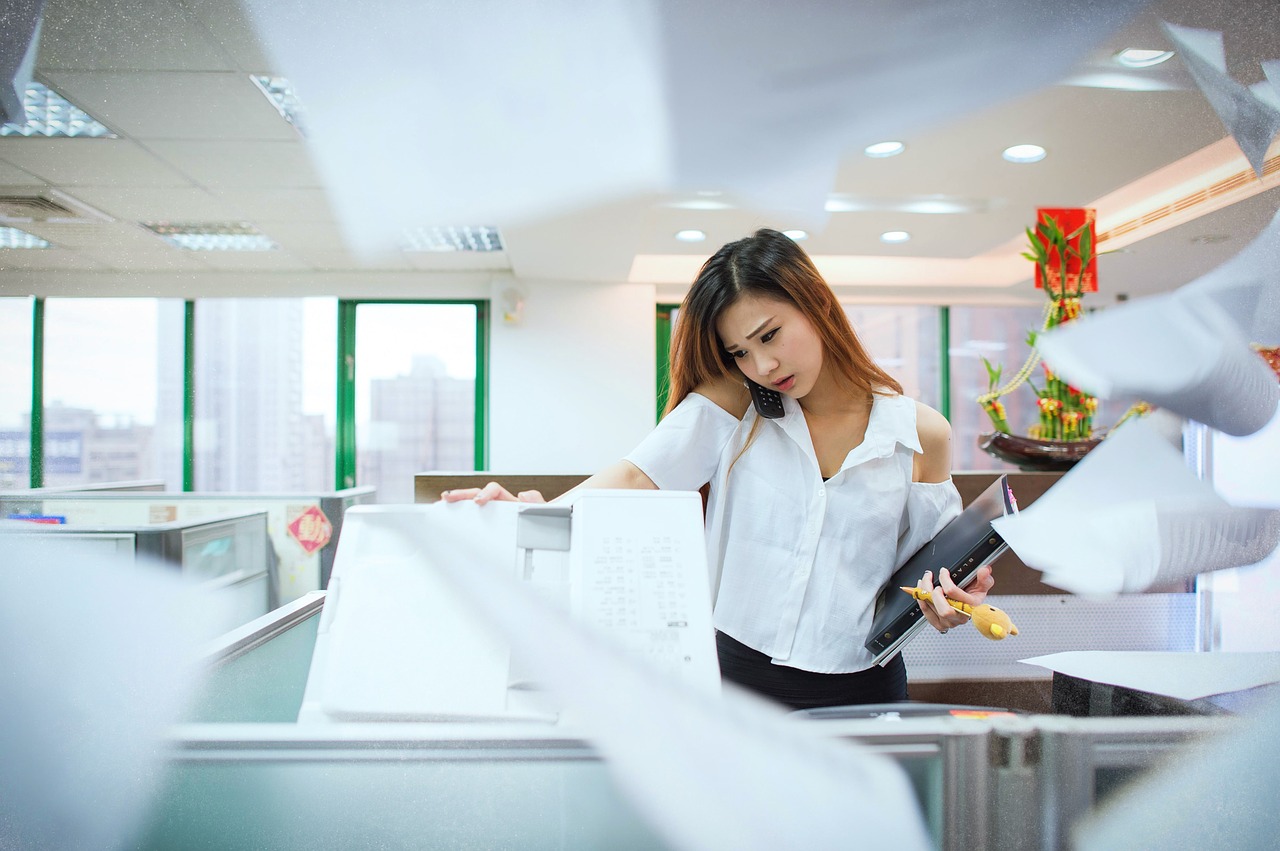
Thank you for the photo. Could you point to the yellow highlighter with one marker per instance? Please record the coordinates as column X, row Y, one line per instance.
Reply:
column 990, row 621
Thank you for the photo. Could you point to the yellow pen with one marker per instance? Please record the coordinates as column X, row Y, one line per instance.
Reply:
column 990, row 621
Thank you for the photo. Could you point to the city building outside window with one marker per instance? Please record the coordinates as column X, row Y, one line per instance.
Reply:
column 111, row 412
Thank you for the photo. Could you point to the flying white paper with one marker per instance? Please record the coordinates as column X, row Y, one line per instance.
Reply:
column 706, row 772
column 1131, row 515
column 95, row 662
column 1208, row 795
column 1251, row 119
column 446, row 113
column 1189, row 350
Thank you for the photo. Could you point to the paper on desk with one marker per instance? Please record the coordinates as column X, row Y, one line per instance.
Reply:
column 705, row 772
column 1186, row 676
column 1211, row 792
column 1130, row 515
column 1252, row 120
column 1188, row 351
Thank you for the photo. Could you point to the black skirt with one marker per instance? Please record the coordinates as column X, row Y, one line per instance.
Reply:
column 805, row 689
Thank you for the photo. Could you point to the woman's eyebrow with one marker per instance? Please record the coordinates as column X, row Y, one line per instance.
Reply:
column 759, row 328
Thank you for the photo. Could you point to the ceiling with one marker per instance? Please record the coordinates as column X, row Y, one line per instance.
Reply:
column 197, row 142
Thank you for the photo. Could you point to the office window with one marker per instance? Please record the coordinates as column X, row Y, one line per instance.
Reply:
column 15, row 392
column 1000, row 335
column 112, row 412
column 904, row 342
column 265, row 394
column 415, row 393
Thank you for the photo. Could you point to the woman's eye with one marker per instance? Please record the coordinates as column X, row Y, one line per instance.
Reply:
column 740, row 354
column 767, row 337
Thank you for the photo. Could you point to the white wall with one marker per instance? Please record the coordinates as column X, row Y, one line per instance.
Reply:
column 572, row 386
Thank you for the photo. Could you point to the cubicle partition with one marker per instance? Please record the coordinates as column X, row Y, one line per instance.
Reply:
column 303, row 528
column 226, row 554
column 243, row 774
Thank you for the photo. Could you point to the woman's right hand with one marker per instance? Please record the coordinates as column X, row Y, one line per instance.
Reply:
column 489, row 493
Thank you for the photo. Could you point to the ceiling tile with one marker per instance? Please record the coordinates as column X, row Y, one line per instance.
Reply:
column 45, row 258
column 342, row 261
column 288, row 205
column 11, row 175
column 89, row 162
column 217, row 165
column 126, row 35
column 258, row 261
column 154, row 204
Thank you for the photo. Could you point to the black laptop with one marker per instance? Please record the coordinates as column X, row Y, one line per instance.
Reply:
column 964, row 545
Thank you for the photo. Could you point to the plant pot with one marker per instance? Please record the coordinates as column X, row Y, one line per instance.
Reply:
column 1030, row 454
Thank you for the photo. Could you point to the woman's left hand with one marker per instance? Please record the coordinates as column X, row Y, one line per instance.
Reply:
column 937, row 611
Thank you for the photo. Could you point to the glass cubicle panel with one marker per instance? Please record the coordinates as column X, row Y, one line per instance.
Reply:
column 415, row 393
column 112, row 397
column 266, row 400
column 15, row 392
column 904, row 341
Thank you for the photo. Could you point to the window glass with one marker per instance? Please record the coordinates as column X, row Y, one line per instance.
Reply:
column 903, row 340
column 265, row 394
column 1000, row 335
column 15, row 392
column 415, row 393
column 112, row 410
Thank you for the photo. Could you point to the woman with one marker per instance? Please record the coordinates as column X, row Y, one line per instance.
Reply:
column 808, row 513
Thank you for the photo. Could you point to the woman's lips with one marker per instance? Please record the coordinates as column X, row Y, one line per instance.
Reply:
column 785, row 384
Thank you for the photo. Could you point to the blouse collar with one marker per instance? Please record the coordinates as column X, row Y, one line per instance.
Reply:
column 892, row 422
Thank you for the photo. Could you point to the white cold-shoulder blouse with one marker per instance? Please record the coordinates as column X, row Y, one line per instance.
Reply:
column 797, row 562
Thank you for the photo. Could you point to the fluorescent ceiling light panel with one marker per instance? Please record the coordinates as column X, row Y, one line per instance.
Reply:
column 280, row 92
column 212, row 236
column 463, row 238
column 1133, row 57
column 14, row 238
column 50, row 114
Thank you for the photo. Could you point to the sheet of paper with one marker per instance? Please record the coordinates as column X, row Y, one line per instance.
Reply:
column 705, row 771
column 1209, row 795
column 537, row 110
column 1132, row 514
column 95, row 664
column 1186, row 676
column 1253, row 121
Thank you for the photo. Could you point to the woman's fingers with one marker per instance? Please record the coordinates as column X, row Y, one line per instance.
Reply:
column 489, row 493
column 936, row 609
column 975, row 593
column 530, row 496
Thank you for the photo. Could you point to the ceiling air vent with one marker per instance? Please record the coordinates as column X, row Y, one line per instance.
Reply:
column 45, row 205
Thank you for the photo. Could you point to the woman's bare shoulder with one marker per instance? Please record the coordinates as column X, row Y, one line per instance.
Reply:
column 933, row 464
column 727, row 393
column 931, row 426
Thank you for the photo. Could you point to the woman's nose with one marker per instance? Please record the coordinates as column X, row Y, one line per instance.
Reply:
column 765, row 364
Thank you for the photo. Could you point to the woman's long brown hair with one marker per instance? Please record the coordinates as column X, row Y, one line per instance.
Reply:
column 770, row 265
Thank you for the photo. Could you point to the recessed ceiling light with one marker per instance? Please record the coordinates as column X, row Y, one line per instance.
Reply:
column 14, row 238
column 690, row 235
column 1024, row 154
column 460, row 238
column 895, row 236
column 1133, row 57
column 212, row 236
column 884, row 149
column 50, row 114
column 796, row 235
column 703, row 203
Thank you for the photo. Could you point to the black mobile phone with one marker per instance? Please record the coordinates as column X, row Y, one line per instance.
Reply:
column 768, row 402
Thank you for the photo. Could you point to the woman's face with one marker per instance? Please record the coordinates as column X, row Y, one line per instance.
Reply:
column 772, row 343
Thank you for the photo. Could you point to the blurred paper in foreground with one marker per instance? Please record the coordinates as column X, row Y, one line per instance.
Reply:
column 454, row 113
column 1134, row 516
column 95, row 663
